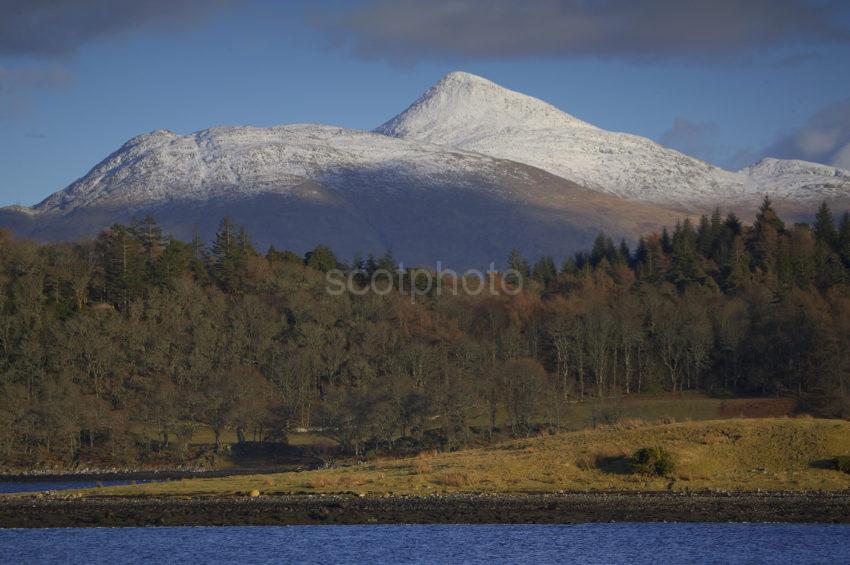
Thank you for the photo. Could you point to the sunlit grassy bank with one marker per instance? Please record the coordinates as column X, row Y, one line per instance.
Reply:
column 733, row 454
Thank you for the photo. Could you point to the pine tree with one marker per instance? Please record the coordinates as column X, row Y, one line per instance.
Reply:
column 719, row 240
column 199, row 249
column 387, row 262
column 643, row 258
column 666, row 243
column 733, row 226
column 704, row 236
column 544, row 270
column 123, row 266
column 149, row 235
column 175, row 259
column 226, row 256
column 686, row 264
column 569, row 267
column 736, row 270
column 245, row 246
column 767, row 229
column 371, row 265
column 519, row 266
column 844, row 239
column 323, row 259
column 603, row 248
column 767, row 216
column 802, row 255
column 824, row 228
column 624, row 253
column 224, row 245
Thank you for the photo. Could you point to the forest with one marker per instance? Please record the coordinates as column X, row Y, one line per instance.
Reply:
column 119, row 349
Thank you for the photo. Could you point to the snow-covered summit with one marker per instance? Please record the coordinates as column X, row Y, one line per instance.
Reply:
column 468, row 101
column 474, row 114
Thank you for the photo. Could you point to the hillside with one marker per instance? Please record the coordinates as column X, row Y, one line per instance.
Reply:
column 737, row 455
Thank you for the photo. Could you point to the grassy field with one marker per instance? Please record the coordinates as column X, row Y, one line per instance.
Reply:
column 731, row 454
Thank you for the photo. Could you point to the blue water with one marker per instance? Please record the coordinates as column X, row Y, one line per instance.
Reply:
column 63, row 485
column 587, row 543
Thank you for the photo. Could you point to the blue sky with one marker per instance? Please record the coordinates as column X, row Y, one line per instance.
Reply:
column 65, row 107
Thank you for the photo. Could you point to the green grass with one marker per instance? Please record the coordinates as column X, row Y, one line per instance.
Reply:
column 733, row 454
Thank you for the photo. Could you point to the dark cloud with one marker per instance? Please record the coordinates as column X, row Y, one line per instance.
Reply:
column 824, row 139
column 411, row 29
column 45, row 29
column 58, row 27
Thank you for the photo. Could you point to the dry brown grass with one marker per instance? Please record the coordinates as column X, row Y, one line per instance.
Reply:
column 422, row 464
column 747, row 454
column 455, row 479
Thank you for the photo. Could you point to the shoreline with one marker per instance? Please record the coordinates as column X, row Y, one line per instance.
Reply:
column 566, row 508
column 145, row 475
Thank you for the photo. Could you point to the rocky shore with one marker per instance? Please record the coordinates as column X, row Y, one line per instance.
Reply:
column 67, row 511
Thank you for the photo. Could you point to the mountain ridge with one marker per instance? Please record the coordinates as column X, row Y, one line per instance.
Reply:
column 621, row 164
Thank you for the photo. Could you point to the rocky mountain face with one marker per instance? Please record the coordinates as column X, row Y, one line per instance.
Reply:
column 468, row 172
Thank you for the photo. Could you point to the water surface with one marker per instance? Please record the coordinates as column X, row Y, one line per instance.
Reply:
column 37, row 486
column 586, row 543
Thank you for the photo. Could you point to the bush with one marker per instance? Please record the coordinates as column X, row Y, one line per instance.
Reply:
column 842, row 463
column 652, row 461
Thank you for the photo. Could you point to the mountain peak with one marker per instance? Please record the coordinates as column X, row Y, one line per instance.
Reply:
column 456, row 78
column 464, row 101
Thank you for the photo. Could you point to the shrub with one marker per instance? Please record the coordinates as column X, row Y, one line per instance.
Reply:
column 652, row 461
column 842, row 463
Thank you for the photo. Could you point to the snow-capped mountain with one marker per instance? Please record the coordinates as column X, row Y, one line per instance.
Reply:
column 238, row 162
column 301, row 185
column 469, row 112
column 468, row 172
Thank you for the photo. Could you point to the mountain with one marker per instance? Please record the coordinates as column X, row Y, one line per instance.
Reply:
column 300, row 185
column 802, row 181
column 471, row 113
column 465, row 174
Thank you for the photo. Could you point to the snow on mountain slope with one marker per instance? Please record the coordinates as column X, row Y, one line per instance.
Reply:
column 243, row 161
column 300, row 185
column 797, row 180
column 472, row 113
column 468, row 172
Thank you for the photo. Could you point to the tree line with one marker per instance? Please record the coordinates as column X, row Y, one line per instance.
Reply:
column 118, row 350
